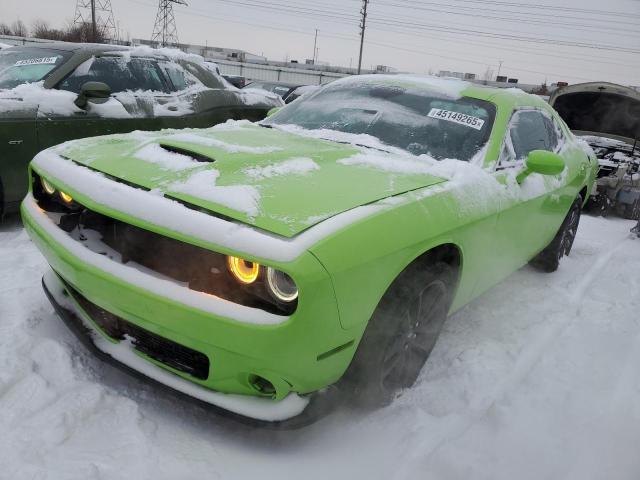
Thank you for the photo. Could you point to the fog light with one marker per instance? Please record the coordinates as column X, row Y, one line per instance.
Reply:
column 66, row 198
column 47, row 187
column 245, row 272
column 281, row 285
column 262, row 385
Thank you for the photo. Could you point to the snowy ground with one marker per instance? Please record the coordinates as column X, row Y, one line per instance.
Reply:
column 538, row 379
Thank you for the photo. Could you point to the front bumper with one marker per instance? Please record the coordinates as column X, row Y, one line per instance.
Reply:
column 126, row 356
column 289, row 354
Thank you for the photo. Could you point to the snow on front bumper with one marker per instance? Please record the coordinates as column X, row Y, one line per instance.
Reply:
column 153, row 284
column 259, row 408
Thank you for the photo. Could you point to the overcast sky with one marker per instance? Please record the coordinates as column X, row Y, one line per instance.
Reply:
column 411, row 35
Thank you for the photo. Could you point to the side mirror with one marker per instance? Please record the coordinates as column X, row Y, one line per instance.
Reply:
column 542, row 162
column 97, row 92
column 273, row 110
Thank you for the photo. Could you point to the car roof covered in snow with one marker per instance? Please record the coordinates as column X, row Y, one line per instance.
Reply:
column 453, row 88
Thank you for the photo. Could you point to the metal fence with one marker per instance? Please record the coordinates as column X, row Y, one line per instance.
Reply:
column 272, row 73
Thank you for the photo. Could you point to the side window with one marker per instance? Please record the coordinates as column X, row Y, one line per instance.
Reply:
column 529, row 132
column 180, row 80
column 117, row 72
column 553, row 132
column 202, row 74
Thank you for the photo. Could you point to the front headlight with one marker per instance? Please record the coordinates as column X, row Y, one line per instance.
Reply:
column 268, row 283
column 244, row 271
column 47, row 187
column 281, row 285
column 66, row 198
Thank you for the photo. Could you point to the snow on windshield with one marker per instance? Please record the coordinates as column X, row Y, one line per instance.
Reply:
column 25, row 65
column 420, row 118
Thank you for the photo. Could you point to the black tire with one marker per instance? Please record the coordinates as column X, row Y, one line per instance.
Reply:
column 598, row 205
column 401, row 334
column 549, row 259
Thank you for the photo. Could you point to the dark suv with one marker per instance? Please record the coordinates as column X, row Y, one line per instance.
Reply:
column 56, row 92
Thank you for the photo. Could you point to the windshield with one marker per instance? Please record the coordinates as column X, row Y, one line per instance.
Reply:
column 26, row 65
column 412, row 118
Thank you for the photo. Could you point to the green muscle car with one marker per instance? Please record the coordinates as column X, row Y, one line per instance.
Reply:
column 252, row 265
column 56, row 92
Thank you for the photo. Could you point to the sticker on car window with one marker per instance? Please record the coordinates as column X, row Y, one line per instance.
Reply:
column 457, row 117
column 36, row 61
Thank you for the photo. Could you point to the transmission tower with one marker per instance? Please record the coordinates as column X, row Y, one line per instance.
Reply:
column 165, row 31
column 97, row 14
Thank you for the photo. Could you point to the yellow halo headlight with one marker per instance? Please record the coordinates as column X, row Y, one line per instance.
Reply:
column 47, row 187
column 66, row 198
column 245, row 272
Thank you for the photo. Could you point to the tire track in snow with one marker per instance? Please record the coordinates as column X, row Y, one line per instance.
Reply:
column 531, row 355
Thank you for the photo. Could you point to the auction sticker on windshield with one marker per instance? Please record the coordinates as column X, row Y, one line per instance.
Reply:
column 36, row 61
column 457, row 117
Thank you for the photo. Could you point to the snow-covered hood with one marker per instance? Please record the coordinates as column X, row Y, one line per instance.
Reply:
column 279, row 181
column 600, row 109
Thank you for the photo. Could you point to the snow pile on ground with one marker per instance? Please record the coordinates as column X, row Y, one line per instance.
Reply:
column 536, row 379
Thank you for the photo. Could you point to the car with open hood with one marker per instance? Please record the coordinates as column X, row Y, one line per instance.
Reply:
column 607, row 117
column 253, row 265
column 54, row 92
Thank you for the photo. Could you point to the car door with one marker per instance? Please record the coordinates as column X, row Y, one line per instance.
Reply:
column 135, row 85
column 535, row 208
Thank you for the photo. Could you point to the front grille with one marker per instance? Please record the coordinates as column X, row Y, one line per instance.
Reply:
column 165, row 351
column 194, row 267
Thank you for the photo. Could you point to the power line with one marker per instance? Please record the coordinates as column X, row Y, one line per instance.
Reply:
column 518, row 38
column 540, row 7
column 479, row 13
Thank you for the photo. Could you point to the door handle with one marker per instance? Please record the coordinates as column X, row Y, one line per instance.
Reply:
column 15, row 142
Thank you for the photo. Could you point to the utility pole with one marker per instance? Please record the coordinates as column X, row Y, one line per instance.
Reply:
column 315, row 49
column 499, row 68
column 363, row 26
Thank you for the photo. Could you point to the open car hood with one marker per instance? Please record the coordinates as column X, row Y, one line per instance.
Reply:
column 600, row 109
column 277, row 181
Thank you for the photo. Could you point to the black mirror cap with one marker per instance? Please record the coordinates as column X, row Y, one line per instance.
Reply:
column 97, row 91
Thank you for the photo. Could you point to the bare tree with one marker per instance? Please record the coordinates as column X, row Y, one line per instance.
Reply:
column 19, row 29
column 5, row 29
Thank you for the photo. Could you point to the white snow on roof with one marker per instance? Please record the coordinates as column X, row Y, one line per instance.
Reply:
column 293, row 166
column 146, row 51
column 449, row 88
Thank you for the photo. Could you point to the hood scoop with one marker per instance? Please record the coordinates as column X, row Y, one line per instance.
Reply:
column 196, row 156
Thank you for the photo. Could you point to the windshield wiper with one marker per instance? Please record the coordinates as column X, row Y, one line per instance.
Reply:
column 356, row 144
